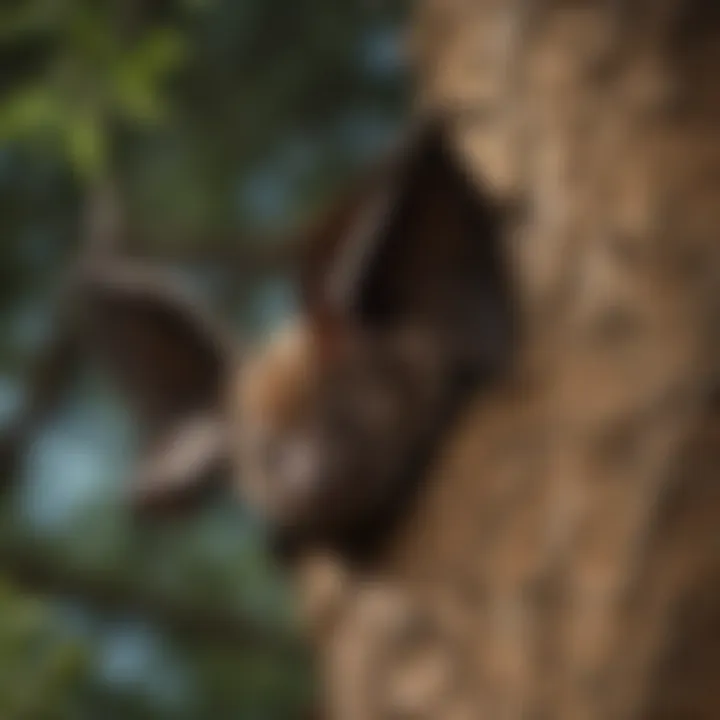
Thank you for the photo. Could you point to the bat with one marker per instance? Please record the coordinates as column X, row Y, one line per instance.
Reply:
column 406, row 311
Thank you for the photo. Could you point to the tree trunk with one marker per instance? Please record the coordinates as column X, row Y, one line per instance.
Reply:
column 564, row 559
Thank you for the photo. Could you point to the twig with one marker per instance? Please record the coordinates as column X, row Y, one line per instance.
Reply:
column 242, row 255
column 37, row 571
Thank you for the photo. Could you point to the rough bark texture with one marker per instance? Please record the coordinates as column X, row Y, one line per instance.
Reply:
column 564, row 559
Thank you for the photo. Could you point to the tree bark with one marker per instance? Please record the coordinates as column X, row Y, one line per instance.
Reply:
column 564, row 559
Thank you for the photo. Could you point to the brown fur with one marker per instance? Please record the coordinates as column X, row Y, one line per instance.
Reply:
column 324, row 443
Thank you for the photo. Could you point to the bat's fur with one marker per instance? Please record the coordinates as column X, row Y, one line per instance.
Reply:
column 331, row 448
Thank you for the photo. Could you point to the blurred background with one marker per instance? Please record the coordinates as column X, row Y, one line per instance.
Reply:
column 216, row 128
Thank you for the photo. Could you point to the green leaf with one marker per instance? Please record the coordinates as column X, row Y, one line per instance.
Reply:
column 138, row 79
column 86, row 144
column 160, row 53
column 26, row 19
column 31, row 110
column 136, row 99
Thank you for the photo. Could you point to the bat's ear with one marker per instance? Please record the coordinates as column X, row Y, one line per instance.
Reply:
column 170, row 361
column 419, row 242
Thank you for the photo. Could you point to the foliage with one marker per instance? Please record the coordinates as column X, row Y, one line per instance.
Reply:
column 213, row 118
column 42, row 669
column 90, row 75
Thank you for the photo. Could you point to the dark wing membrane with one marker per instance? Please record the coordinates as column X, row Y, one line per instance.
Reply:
column 170, row 362
column 167, row 357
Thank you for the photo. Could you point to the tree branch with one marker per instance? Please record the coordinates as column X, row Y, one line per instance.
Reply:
column 247, row 255
column 37, row 571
